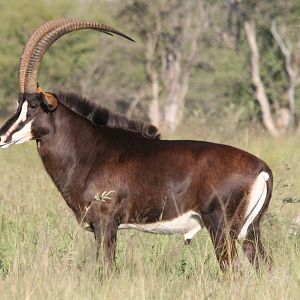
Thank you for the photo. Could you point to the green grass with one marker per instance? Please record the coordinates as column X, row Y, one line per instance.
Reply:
column 44, row 254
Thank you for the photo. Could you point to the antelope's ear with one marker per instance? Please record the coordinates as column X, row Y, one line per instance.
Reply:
column 49, row 100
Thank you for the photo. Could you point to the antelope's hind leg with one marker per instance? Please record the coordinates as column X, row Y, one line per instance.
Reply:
column 250, row 232
column 223, row 239
column 225, row 249
column 254, row 249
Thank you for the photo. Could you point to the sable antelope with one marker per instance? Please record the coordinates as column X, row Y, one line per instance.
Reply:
column 116, row 173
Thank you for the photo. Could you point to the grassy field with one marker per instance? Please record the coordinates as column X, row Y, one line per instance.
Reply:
column 44, row 254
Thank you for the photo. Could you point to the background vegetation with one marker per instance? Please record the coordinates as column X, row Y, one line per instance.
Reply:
column 192, row 59
column 224, row 71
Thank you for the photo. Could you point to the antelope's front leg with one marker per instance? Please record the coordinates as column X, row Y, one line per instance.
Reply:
column 106, row 235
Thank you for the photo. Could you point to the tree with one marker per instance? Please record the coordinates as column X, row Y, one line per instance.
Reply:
column 264, row 14
column 292, row 64
column 260, row 92
column 191, row 59
column 171, row 31
column 67, row 57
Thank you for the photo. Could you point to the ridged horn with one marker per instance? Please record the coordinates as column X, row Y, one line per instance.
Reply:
column 50, row 38
column 30, row 45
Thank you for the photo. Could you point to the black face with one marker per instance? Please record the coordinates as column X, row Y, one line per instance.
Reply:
column 22, row 126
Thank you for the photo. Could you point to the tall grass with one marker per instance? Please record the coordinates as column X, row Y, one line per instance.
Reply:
column 44, row 254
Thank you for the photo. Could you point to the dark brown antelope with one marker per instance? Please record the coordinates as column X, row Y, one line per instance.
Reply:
column 116, row 173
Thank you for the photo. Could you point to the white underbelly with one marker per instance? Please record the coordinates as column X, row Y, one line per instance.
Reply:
column 187, row 224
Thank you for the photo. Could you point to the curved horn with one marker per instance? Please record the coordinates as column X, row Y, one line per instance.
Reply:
column 50, row 38
column 30, row 45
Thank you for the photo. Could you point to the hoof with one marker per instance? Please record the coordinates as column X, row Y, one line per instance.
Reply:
column 187, row 241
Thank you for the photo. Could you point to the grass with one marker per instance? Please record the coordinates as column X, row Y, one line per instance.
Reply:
column 44, row 254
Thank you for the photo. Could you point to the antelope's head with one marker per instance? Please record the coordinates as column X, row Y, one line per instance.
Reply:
column 34, row 105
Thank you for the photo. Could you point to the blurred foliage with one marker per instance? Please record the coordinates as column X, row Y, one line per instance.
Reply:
column 112, row 71
column 62, row 61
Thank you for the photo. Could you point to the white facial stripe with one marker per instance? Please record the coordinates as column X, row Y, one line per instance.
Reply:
column 22, row 135
column 21, row 118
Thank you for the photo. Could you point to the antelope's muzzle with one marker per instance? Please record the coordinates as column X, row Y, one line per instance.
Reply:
column 17, row 129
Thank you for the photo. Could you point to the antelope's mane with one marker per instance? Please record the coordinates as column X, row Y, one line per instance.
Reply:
column 101, row 116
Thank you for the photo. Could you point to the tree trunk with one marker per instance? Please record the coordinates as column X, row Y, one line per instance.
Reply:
column 260, row 93
column 177, row 64
column 154, row 112
column 291, row 69
column 176, row 91
column 292, row 107
column 176, row 51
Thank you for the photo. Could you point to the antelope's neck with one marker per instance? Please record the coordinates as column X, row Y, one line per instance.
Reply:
column 66, row 151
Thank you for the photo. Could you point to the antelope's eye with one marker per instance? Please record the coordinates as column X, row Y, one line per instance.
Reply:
column 32, row 106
